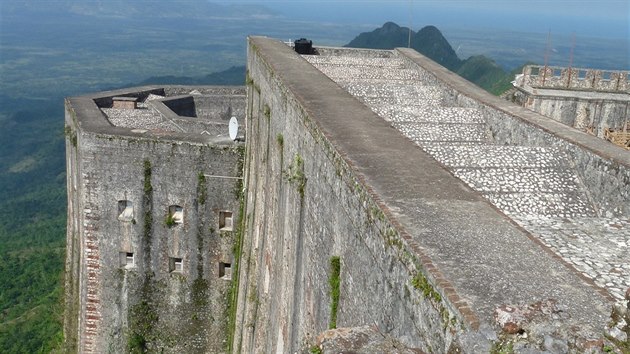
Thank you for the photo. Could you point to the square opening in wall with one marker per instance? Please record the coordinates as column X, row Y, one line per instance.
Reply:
column 127, row 260
column 225, row 221
column 125, row 210
column 176, row 265
column 225, row 270
column 175, row 215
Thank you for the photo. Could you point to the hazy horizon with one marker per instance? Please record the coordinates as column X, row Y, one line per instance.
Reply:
column 605, row 18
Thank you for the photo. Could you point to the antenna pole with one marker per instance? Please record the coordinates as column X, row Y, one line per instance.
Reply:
column 546, row 56
column 410, row 22
column 571, row 60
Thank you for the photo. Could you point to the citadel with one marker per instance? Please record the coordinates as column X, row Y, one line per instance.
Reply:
column 371, row 201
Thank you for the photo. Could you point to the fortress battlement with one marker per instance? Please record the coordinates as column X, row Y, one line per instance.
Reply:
column 375, row 190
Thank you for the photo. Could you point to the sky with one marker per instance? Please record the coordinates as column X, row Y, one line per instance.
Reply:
column 608, row 18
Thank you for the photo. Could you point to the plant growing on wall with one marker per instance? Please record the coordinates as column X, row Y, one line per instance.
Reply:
column 295, row 174
column 334, row 283
column 170, row 220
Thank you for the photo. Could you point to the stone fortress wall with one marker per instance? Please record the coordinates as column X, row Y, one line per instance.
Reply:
column 379, row 189
column 150, row 232
column 590, row 100
column 401, row 172
column 612, row 81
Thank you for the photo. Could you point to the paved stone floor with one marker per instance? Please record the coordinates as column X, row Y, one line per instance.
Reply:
column 534, row 185
column 144, row 117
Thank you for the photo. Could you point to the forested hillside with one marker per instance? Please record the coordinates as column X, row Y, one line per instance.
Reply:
column 32, row 224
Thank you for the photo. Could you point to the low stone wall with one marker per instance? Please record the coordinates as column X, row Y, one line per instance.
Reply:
column 575, row 78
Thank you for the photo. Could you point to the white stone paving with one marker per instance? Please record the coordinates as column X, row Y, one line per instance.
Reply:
column 142, row 117
column 534, row 185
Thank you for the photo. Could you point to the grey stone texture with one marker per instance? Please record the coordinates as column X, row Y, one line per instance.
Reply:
column 125, row 287
column 586, row 99
column 362, row 164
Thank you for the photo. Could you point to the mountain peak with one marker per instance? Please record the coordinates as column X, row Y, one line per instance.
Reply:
column 430, row 42
column 389, row 26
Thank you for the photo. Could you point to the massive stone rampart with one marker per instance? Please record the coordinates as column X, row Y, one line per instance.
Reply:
column 421, row 256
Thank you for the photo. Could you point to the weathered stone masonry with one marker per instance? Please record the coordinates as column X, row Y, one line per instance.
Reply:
column 379, row 189
column 149, row 247
column 423, row 257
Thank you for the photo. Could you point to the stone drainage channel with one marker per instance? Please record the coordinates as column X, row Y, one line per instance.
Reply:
column 535, row 186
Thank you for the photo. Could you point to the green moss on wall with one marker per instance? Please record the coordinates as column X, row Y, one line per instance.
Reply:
column 201, row 188
column 295, row 174
column 334, row 282
column 267, row 112
column 142, row 316
column 71, row 135
column 420, row 282
column 232, row 294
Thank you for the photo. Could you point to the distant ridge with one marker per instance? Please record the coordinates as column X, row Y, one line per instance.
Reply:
column 430, row 42
column 232, row 76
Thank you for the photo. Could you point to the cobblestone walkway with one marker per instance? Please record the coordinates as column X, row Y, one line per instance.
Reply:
column 534, row 185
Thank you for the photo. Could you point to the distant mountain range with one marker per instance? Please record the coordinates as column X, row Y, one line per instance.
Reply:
column 138, row 9
column 430, row 42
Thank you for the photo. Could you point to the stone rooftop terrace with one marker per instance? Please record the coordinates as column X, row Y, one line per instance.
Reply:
column 191, row 113
column 536, row 186
column 196, row 110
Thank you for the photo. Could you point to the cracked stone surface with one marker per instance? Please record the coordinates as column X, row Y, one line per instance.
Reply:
column 534, row 185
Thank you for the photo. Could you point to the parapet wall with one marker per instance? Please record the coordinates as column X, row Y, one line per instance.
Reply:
column 575, row 79
column 604, row 168
column 594, row 101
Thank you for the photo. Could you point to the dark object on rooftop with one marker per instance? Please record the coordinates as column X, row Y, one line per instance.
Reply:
column 303, row 46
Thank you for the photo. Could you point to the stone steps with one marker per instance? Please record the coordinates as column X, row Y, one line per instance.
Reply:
column 522, row 181
column 442, row 132
column 537, row 186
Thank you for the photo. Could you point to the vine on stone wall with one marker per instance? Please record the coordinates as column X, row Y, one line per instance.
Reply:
column 334, row 282
column 143, row 315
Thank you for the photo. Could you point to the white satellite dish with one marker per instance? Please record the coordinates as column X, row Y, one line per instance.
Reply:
column 233, row 128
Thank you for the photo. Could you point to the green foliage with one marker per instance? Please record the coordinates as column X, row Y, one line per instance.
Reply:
column 32, row 224
column 232, row 294
column 267, row 111
column 201, row 188
column 334, row 283
column 315, row 350
column 280, row 140
column 200, row 292
column 485, row 73
column 148, row 188
column 142, row 317
column 428, row 41
column 295, row 174
column 71, row 135
column 502, row 346
column 170, row 220
column 420, row 282
column 232, row 76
